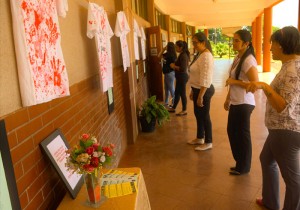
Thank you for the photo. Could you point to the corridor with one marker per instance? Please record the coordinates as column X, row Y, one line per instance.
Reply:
column 177, row 177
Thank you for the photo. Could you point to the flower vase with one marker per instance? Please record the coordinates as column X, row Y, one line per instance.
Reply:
column 93, row 187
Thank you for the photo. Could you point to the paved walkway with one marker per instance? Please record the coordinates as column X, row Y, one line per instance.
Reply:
column 177, row 177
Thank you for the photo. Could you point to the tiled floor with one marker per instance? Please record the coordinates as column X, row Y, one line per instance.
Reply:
column 177, row 177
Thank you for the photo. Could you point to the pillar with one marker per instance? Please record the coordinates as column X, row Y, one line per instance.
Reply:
column 168, row 25
column 266, row 43
column 254, row 35
column 299, row 15
column 258, row 39
column 206, row 31
column 183, row 31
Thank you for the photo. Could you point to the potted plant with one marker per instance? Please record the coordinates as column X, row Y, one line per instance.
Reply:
column 152, row 112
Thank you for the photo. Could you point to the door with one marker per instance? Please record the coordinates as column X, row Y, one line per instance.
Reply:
column 155, row 76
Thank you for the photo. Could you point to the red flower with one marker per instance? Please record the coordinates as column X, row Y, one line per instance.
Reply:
column 94, row 162
column 85, row 136
column 112, row 146
column 96, row 146
column 88, row 168
column 107, row 151
column 89, row 150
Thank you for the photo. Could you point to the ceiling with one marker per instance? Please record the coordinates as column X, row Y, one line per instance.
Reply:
column 214, row 13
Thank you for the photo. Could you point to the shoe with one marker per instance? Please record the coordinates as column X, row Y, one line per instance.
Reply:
column 195, row 141
column 259, row 201
column 172, row 110
column 170, row 105
column 204, row 147
column 232, row 168
column 234, row 172
column 182, row 113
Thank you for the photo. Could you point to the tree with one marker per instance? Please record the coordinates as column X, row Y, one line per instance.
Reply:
column 221, row 49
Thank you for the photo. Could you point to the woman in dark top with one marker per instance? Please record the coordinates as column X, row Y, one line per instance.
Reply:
column 169, row 75
column 180, row 66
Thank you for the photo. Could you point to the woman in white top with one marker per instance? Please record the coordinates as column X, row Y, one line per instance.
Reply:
column 240, row 103
column 201, row 71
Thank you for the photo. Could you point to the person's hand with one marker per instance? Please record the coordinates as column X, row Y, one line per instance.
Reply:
column 200, row 101
column 172, row 65
column 253, row 86
column 227, row 104
column 191, row 95
column 230, row 81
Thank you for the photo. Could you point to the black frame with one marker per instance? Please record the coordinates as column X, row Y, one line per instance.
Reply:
column 110, row 100
column 44, row 145
column 8, row 169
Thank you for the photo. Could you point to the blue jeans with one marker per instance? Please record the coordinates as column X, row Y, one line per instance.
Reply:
column 169, row 86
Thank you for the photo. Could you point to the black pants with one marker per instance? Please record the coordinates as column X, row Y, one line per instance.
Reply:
column 180, row 91
column 204, row 126
column 238, row 130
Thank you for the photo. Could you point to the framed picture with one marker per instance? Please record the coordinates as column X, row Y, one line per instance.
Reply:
column 110, row 100
column 55, row 146
column 9, row 198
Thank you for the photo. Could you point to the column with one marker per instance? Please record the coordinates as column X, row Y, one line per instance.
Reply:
column 168, row 25
column 258, row 39
column 183, row 31
column 254, row 35
column 151, row 12
column 299, row 16
column 267, row 35
column 206, row 32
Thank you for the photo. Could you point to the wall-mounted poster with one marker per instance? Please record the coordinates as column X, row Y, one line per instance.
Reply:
column 55, row 147
column 9, row 199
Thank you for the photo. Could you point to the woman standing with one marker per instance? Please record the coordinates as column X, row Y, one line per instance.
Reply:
column 240, row 103
column 180, row 67
column 169, row 75
column 201, row 72
column 282, row 118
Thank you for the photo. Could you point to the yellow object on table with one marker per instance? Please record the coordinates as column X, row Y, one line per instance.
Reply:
column 135, row 201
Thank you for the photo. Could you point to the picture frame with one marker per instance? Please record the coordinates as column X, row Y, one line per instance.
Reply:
column 110, row 100
column 55, row 146
column 9, row 198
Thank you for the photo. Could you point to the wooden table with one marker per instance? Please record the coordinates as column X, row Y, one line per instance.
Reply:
column 136, row 201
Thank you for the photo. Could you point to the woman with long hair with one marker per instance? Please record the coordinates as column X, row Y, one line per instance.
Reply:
column 282, row 118
column 169, row 75
column 201, row 72
column 180, row 67
column 240, row 103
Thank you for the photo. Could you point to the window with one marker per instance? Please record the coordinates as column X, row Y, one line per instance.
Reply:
column 140, row 8
column 176, row 26
column 160, row 19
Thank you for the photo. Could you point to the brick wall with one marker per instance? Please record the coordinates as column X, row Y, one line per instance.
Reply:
column 85, row 111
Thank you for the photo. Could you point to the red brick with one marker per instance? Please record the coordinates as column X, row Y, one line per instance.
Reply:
column 26, row 180
column 17, row 153
column 35, row 188
column 38, row 110
column 31, row 159
column 12, row 139
column 42, row 134
column 23, row 200
column 16, row 119
column 18, row 169
column 35, row 202
column 29, row 129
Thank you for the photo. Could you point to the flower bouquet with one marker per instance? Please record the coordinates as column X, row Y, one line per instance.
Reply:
column 88, row 157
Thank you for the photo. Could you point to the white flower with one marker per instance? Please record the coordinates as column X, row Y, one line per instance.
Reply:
column 102, row 159
column 97, row 154
column 94, row 139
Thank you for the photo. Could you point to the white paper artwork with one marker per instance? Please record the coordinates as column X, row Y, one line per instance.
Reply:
column 121, row 30
column 41, row 66
column 98, row 27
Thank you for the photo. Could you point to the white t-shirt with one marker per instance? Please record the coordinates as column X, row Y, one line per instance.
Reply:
column 98, row 27
column 137, row 34
column 143, row 43
column 201, row 71
column 41, row 66
column 238, row 94
column 121, row 29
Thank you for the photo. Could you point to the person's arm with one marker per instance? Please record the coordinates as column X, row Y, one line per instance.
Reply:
column 200, row 96
column 275, row 100
column 227, row 101
column 161, row 52
column 183, row 64
column 252, row 77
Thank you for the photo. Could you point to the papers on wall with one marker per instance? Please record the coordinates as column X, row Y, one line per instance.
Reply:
column 121, row 30
column 98, row 27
